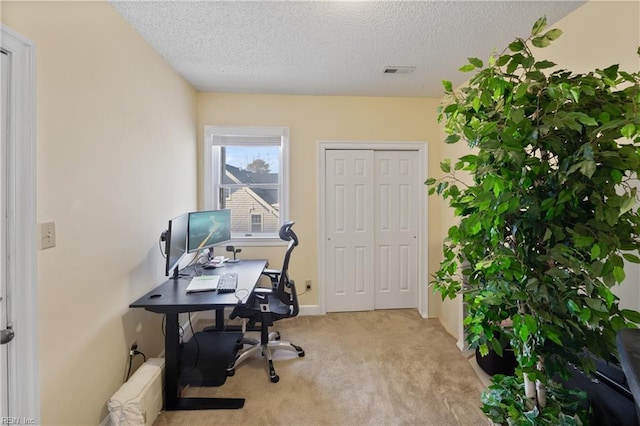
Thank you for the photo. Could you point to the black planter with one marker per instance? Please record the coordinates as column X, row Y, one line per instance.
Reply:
column 492, row 363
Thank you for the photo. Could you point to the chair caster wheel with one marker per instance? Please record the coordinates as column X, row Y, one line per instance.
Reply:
column 231, row 372
column 275, row 379
column 301, row 354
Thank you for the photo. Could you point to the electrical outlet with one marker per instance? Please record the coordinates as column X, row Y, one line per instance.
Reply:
column 133, row 346
column 307, row 284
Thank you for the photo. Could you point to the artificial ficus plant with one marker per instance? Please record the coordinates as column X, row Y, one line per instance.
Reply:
column 547, row 221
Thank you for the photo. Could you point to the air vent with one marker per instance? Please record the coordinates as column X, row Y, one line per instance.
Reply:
column 399, row 70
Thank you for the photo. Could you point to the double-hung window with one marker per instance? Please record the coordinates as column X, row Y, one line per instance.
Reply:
column 246, row 171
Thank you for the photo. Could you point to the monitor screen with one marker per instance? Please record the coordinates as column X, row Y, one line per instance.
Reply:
column 208, row 229
column 176, row 243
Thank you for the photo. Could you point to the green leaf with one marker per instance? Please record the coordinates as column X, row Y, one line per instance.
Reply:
column 476, row 104
column 540, row 42
column 452, row 139
column 448, row 86
column 631, row 257
column 554, row 338
column 596, row 305
column 515, row 46
column 588, row 168
column 627, row 204
column 476, row 62
column 553, row 34
column 531, row 323
column 631, row 315
column 521, row 90
column 583, row 241
column 595, row 252
column 604, row 117
column 611, row 72
column 573, row 307
column 430, row 181
column 539, row 25
column 618, row 274
column 628, row 131
column 503, row 60
column 445, row 166
column 540, row 65
column 467, row 68
column 497, row 347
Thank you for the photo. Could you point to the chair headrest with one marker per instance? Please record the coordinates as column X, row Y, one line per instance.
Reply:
column 286, row 233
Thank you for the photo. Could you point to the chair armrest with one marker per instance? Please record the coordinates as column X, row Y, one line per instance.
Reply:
column 262, row 290
column 274, row 274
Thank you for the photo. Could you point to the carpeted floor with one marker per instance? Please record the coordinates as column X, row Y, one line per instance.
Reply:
column 387, row 367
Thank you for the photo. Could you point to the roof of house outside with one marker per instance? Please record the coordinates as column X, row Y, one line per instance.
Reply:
column 235, row 175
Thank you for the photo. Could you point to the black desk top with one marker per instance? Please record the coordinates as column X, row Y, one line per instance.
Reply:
column 171, row 296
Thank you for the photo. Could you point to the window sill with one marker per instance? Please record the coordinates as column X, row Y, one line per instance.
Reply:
column 257, row 242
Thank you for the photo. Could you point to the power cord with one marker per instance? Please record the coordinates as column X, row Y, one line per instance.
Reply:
column 195, row 339
column 133, row 352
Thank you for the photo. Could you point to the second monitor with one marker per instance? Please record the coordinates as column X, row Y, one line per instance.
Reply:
column 208, row 229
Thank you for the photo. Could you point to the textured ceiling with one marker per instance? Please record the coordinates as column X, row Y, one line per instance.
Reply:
column 330, row 47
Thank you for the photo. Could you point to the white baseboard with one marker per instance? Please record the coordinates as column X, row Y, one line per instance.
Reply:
column 310, row 310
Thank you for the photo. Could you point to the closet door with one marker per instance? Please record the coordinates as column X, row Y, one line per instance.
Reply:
column 349, row 221
column 371, row 223
column 396, row 229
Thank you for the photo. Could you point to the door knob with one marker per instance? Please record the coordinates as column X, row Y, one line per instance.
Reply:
column 6, row 335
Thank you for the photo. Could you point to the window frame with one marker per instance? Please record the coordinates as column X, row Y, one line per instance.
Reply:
column 214, row 137
column 256, row 215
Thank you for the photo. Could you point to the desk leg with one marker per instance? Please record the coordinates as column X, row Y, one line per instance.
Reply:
column 172, row 376
column 172, row 354
column 220, row 319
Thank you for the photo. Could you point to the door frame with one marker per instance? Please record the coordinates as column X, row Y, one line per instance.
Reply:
column 423, row 161
column 24, row 386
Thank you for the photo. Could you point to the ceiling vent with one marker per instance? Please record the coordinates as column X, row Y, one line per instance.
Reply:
column 399, row 70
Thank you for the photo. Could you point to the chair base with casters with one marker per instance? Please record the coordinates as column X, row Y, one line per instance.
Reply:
column 264, row 347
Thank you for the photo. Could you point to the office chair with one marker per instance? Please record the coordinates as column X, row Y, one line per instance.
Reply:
column 266, row 305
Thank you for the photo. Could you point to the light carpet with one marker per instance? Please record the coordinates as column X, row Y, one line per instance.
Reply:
column 388, row 367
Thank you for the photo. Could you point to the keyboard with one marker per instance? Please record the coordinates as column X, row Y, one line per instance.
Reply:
column 228, row 283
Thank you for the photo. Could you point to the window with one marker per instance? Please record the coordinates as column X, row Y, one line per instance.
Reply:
column 256, row 222
column 246, row 171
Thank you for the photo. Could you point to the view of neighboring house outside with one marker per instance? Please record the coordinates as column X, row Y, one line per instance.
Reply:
column 254, row 205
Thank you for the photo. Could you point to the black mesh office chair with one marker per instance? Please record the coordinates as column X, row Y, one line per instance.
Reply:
column 266, row 305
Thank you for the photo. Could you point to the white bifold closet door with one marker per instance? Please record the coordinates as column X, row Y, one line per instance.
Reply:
column 371, row 222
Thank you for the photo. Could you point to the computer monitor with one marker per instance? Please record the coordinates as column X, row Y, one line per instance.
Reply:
column 208, row 229
column 176, row 244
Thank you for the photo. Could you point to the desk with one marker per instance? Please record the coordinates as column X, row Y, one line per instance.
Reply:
column 170, row 298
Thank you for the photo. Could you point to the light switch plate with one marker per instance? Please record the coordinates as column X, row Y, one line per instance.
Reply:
column 47, row 235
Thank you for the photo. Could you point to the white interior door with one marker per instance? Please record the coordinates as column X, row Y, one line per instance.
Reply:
column 349, row 223
column 396, row 229
column 4, row 320
column 371, row 227
column 19, row 373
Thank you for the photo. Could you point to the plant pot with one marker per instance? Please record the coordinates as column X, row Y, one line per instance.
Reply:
column 492, row 363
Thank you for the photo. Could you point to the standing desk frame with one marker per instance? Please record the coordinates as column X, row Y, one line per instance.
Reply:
column 170, row 298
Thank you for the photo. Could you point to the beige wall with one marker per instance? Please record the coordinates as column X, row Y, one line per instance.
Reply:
column 322, row 118
column 116, row 158
column 596, row 35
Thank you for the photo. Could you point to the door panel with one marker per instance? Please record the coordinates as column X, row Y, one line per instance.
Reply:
column 349, row 226
column 396, row 233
